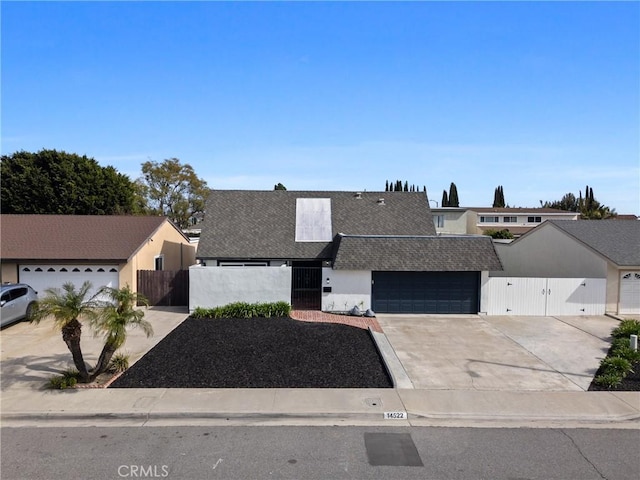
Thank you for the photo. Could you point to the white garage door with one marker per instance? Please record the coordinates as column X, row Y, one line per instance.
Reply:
column 42, row 277
column 629, row 292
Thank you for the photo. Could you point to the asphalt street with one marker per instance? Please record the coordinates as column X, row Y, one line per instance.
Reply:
column 318, row 453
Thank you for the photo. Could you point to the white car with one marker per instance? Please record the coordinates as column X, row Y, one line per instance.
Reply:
column 17, row 301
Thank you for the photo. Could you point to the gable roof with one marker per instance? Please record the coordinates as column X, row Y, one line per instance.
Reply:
column 74, row 237
column 416, row 253
column 245, row 224
column 617, row 240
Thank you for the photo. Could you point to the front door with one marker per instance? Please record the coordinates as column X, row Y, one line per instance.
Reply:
column 306, row 285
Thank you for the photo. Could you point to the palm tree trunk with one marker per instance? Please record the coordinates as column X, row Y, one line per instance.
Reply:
column 103, row 361
column 71, row 335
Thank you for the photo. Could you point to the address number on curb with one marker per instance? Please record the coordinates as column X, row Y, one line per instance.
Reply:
column 395, row 415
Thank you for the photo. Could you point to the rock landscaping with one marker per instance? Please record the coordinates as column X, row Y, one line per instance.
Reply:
column 259, row 353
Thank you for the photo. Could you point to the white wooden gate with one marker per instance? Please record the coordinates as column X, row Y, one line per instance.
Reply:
column 545, row 296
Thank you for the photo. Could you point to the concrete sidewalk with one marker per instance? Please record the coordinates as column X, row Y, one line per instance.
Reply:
column 156, row 407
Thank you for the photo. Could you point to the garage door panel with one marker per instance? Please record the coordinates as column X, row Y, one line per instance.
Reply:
column 425, row 292
column 43, row 277
column 630, row 293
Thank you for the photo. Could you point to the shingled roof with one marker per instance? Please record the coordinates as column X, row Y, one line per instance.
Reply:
column 416, row 253
column 74, row 237
column 617, row 240
column 246, row 224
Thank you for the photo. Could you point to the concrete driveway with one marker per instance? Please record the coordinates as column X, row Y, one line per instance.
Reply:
column 30, row 354
column 472, row 352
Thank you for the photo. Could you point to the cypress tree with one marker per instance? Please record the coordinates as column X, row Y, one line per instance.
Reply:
column 386, row 186
column 498, row 197
column 445, row 199
column 453, row 196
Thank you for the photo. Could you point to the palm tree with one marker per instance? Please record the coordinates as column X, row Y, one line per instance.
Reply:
column 68, row 307
column 113, row 321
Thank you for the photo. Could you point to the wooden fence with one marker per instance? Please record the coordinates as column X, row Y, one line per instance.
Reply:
column 168, row 288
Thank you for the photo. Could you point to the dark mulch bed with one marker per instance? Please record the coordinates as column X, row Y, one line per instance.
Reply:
column 259, row 353
column 630, row 383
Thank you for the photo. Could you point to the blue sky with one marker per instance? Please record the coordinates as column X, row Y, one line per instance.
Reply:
column 540, row 97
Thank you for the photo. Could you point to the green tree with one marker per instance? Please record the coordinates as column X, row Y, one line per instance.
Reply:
column 174, row 190
column 568, row 202
column 114, row 319
column 57, row 182
column 453, row 196
column 68, row 307
column 588, row 207
column 498, row 197
column 445, row 199
column 279, row 186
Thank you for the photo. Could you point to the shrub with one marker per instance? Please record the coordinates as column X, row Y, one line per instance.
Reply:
column 620, row 347
column 244, row 310
column 616, row 365
column 626, row 328
column 119, row 363
column 503, row 234
column 66, row 379
column 608, row 380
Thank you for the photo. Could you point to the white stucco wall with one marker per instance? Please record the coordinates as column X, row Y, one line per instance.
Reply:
column 348, row 289
column 547, row 252
column 216, row 286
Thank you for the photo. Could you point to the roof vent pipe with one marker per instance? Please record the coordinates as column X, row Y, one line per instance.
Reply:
column 381, row 201
column 358, row 195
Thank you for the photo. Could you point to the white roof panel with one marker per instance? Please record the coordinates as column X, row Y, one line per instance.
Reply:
column 313, row 220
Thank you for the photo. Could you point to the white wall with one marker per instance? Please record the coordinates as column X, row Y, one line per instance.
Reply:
column 216, row 286
column 348, row 289
column 547, row 252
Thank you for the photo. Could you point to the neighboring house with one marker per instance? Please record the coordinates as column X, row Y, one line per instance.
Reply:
column 336, row 250
column 47, row 251
column 477, row 220
column 600, row 256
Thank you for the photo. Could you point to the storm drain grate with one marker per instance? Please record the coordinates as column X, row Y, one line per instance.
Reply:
column 392, row 449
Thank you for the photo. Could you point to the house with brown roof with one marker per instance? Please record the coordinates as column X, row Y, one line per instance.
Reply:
column 47, row 251
column 331, row 251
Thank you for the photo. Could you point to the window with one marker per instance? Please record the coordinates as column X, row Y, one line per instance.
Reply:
column 534, row 219
column 510, row 219
column 439, row 221
column 243, row 264
column 159, row 262
column 484, row 219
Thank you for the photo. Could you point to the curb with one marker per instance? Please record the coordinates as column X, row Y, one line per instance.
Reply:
column 392, row 364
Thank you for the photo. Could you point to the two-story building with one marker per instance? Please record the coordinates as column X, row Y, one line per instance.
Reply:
column 477, row 220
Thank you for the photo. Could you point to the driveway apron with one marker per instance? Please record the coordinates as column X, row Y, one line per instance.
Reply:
column 471, row 352
column 30, row 354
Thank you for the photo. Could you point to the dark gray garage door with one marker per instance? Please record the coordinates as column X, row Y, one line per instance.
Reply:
column 426, row 292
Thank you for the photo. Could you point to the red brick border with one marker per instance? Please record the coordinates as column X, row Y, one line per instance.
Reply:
column 323, row 317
